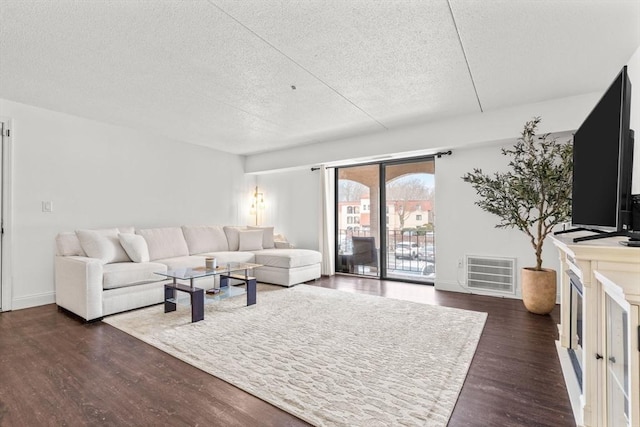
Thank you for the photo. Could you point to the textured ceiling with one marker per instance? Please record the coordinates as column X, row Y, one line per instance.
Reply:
column 220, row 73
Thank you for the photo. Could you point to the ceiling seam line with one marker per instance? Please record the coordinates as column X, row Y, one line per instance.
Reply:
column 464, row 54
column 296, row 63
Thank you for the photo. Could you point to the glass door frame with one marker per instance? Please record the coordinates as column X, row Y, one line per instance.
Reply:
column 336, row 231
column 614, row 294
column 384, row 232
column 382, row 224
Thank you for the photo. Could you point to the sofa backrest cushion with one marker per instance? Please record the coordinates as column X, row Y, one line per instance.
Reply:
column 233, row 236
column 103, row 245
column 205, row 238
column 250, row 240
column 267, row 236
column 135, row 246
column 67, row 244
column 165, row 242
column 127, row 230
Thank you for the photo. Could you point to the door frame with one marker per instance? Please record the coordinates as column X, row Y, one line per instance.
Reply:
column 6, row 214
column 382, row 225
column 384, row 233
column 336, row 222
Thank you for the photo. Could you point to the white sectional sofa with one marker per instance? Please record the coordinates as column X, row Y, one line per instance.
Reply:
column 107, row 271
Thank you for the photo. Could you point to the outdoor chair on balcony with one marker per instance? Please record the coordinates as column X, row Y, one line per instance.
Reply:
column 364, row 253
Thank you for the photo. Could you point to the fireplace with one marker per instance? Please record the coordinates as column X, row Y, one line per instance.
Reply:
column 575, row 325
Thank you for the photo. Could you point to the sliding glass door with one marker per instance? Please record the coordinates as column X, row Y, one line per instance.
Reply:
column 390, row 206
column 409, row 189
column 357, row 220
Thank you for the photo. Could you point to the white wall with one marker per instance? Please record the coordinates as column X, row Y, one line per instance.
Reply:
column 293, row 205
column 98, row 175
column 462, row 228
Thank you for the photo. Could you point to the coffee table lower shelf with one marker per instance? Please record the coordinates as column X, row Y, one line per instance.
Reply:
column 197, row 295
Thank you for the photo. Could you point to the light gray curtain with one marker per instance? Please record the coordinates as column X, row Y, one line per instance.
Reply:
column 327, row 221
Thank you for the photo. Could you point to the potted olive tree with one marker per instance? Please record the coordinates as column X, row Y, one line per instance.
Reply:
column 533, row 196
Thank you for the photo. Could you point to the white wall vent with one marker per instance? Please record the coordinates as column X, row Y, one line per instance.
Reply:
column 491, row 274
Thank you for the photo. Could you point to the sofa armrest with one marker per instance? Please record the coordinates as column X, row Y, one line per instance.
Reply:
column 79, row 285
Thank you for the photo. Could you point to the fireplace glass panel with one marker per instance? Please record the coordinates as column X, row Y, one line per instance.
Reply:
column 575, row 327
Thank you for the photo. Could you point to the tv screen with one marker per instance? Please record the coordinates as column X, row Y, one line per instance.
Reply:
column 602, row 162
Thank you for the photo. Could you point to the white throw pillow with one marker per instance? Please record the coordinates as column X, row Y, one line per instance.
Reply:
column 135, row 246
column 103, row 245
column 67, row 244
column 267, row 236
column 232, row 236
column 250, row 240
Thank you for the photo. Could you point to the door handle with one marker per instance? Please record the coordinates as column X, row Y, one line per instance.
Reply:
column 598, row 356
column 612, row 359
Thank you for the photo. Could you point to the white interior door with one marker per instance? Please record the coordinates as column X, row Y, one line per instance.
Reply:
column 2, row 145
column 3, row 131
column 6, row 196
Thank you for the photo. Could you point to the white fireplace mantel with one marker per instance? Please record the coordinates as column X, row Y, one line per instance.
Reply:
column 605, row 267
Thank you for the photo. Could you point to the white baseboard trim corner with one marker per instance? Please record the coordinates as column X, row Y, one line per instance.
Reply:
column 34, row 300
column 450, row 285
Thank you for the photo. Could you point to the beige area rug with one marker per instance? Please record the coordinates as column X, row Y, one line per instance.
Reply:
column 330, row 357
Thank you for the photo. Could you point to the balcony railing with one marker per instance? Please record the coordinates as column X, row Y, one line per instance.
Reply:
column 407, row 252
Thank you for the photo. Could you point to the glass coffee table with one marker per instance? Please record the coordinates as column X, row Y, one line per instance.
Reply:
column 233, row 270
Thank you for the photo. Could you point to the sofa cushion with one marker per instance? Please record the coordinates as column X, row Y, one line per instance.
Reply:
column 189, row 261
column 120, row 274
column 233, row 236
column 103, row 245
column 135, row 246
column 287, row 258
column 250, row 240
column 224, row 257
column 205, row 239
column 267, row 236
column 165, row 242
column 67, row 244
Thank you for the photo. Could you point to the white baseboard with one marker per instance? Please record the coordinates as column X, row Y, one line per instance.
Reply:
column 450, row 285
column 453, row 286
column 35, row 300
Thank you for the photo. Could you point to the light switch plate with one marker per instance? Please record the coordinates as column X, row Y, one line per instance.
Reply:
column 47, row 206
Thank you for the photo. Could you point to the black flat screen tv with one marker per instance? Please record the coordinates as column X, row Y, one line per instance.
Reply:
column 603, row 164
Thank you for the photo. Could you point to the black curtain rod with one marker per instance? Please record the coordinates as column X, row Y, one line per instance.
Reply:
column 443, row 153
column 438, row 155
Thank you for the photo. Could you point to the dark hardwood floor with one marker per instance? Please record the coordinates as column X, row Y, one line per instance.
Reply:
column 56, row 370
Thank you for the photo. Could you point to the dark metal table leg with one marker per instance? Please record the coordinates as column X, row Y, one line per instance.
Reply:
column 251, row 291
column 169, row 293
column 197, row 305
column 224, row 281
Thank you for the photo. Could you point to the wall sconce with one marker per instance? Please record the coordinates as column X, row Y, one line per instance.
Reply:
column 257, row 204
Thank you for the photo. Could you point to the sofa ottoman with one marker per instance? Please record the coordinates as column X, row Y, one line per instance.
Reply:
column 287, row 267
